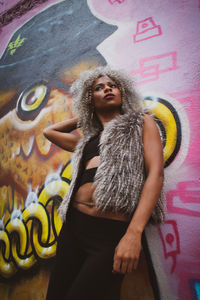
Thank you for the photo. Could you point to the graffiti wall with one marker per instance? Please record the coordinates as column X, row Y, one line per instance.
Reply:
column 44, row 46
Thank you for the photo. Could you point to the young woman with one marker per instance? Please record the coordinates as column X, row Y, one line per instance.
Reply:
column 116, row 188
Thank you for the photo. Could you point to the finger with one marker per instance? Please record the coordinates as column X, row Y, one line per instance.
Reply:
column 130, row 267
column 135, row 264
column 124, row 266
column 116, row 265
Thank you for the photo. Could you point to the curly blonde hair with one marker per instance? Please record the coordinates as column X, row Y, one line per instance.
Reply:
column 82, row 105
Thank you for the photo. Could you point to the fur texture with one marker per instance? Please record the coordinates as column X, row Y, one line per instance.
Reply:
column 121, row 174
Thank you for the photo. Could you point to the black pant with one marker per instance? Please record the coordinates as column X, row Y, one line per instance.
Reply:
column 84, row 259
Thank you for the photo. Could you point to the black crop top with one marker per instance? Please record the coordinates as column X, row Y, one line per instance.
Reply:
column 90, row 150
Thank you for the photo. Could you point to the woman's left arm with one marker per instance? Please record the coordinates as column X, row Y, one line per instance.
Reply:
column 128, row 250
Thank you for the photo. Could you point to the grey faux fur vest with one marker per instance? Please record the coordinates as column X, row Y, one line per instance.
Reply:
column 121, row 174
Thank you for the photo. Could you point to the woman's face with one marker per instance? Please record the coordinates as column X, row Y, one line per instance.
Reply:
column 106, row 94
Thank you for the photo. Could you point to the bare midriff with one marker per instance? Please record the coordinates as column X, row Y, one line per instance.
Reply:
column 84, row 200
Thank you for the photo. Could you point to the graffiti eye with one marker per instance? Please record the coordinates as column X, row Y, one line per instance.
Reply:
column 32, row 100
column 169, row 124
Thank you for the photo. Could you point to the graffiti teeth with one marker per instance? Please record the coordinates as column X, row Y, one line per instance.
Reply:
column 27, row 145
column 44, row 146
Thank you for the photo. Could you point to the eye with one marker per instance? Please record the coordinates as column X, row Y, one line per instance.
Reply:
column 113, row 85
column 98, row 88
column 32, row 100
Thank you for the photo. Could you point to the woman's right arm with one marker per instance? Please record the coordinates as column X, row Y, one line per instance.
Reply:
column 59, row 134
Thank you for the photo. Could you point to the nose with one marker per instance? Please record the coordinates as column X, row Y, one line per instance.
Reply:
column 107, row 88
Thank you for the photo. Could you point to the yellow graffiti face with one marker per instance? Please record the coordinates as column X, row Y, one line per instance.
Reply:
column 26, row 156
column 27, row 162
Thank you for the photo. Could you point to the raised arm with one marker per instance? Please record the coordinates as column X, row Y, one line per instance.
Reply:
column 60, row 134
column 128, row 250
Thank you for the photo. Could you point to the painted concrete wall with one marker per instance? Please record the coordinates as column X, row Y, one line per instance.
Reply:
column 44, row 46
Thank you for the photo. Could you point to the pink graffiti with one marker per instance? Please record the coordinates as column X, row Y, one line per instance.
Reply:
column 170, row 239
column 185, row 92
column 151, row 67
column 185, row 199
column 114, row 1
column 146, row 29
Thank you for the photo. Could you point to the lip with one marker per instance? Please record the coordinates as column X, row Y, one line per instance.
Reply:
column 110, row 95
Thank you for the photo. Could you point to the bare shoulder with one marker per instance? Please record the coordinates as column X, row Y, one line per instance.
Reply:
column 148, row 119
column 149, row 123
column 153, row 149
column 150, row 130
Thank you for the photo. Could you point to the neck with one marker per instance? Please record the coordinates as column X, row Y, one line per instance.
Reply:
column 107, row 116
